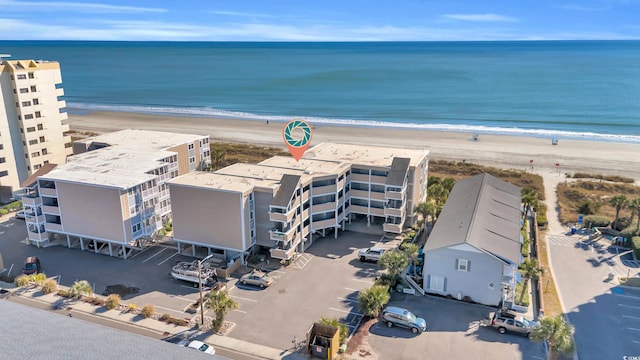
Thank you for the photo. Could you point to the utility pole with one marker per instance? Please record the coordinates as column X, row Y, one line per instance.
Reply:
column 200, row 288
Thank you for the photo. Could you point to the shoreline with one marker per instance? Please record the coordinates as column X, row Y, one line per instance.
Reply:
column 504, row 151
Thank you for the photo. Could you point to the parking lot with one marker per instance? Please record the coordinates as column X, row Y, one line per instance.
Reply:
column 325, row 281
column 454, row 328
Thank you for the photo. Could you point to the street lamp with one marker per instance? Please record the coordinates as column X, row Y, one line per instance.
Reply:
column 200, row 287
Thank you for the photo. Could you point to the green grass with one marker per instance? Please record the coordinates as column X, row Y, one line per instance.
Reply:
column 525, row 298
column 634, row 281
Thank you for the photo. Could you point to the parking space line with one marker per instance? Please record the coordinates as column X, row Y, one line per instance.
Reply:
column 637, row 342
column 154, row 255
column 240, row 311
column 150, row 247
column 349, row 300
column 346, row 312
column 364, row 281
column 350, row 289
column 165, row 260
column 629, row 296
column 190, row 287
column 631, row 317
column 351, row 326
column 160, row 307
column 182, row 298
column 241, row 298
column 633, row 329
column 278, row 271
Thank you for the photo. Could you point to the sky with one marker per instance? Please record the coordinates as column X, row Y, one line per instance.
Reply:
column 320, row 20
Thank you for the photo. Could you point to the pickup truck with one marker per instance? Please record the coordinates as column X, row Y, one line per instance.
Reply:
column 370, row 254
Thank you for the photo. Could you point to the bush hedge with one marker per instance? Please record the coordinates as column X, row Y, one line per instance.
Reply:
column 148, row 311
column 596, row 221
column 629, row 232
column 49, row 286
column 635, row 245
column 23, row 280
column 622, row 223
column 113, row 301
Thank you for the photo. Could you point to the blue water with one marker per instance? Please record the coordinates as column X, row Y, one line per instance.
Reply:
column 580, row 89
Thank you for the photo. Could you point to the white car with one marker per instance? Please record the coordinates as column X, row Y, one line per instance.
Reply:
column 199, row 345
column 370, row 254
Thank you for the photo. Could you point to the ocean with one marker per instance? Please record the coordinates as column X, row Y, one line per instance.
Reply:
column 564, row 89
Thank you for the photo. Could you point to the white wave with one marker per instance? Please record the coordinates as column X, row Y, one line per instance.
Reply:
column 218, row 113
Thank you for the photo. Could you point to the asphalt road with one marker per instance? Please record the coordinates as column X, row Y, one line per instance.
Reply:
column 606, row 317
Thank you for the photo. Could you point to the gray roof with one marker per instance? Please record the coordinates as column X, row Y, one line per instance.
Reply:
column 484, row 212
column 30, row 333
column 288, row 185
column 398, row 172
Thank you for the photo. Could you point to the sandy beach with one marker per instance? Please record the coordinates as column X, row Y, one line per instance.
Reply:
column 513, row 152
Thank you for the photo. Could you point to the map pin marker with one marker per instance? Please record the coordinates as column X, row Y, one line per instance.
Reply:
column 297, row 136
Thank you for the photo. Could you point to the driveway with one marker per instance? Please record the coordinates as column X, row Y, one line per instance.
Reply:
column 456, row 329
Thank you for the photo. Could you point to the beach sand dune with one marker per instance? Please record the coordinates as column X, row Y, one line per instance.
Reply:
column 512, row 152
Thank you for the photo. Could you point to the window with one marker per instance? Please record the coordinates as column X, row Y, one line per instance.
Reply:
column 2, row 160
column 136, row 227
column 36, row 167
column 38, row 114
column 1, row 146
column 28, row 117
column 31, row 129
column 33, row 88
column 463, row 265
column 190, row 146
column 192, row 159
column 41, row 139
column 26, row 103
column 44, row 152
column 33, row 142
column 24, row 90
column 36, row 102
column 31, row 75
column 4, row 173
column 437, row 283
column 22, row 77
column 40, row 127
column 46, row 161
column 491, row 285
column 35, row 154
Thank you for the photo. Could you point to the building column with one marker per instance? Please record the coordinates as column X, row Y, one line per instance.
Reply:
column 335, row 236
column 69, row 242
column 368, row 220
column 193, row 250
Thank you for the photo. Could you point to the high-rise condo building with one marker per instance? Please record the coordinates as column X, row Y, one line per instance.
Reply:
column 32, row 124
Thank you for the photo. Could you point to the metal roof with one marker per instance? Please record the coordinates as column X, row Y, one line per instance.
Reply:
column 398, row 171
column 484, row 212
column 288, row 185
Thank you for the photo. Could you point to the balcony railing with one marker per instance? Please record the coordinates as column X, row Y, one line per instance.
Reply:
column 394, row 212
column 280, row 217
column 378, row 179
column 48, row 191
column 323, row 224
column 34, row 219
column 359, row 193
column 32, row 201
column 324, row 190
column 395, row 195
column 376, row 211
column 377, row 196
column 34, row 236
column 323, row 207
column 282, row 236
column 282, row 254
column 59, row 92
column 51, row 209
column 392, row 228
column 53, row 227
column 358, row 209
column 360, row 178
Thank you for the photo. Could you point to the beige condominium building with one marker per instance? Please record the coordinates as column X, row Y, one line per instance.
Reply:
column 32, row 124
column 112, row 195
column 280, row 204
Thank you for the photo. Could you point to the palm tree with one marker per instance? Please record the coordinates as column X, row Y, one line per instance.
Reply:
column 529, row 199
column 373, row 299
column 448, row 183
column 426, row 209
column 220, row 302
column 217, row 157
column 635, row 206
column 557, row 333
column 439, row 195
column 433, row 180
column 412, row 252
column 393, row 261
column 80, row 288
column 344, row 331
column 530, row 270
column 619, row 202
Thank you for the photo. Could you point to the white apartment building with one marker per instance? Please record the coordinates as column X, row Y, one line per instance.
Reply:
column 112, row 194
column 280, row 204
column 32, row 123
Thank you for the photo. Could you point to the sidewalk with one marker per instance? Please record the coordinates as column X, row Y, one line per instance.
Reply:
column 70, row 306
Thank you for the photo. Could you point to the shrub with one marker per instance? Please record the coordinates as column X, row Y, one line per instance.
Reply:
column 37, row 279
column 622, row 223
column 629, row 233
column 596, row 221
column 64, row 293
column 162, row 232
column 113, row 301
column 23, row 280
column 4, row 211
column 588, row 207
column 635, row 245
column 132, row 308
column 467, row 298
column 254, row 259
column 148, row 311
column 165, row 317
column 49, row 286
column 168, row 226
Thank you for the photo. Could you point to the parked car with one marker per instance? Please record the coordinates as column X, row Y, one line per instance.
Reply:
column 256, row 278
column 511, row 322
column 370, row 254
column 31, row 266
column 396, row 316
column 199, row 345
column 20, row 215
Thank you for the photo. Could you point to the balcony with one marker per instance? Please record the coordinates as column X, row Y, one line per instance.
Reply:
column 341, row 184
column 378, row 179
column 282, row 236
column 62, row 104
column 324, row 190
column 53, row 227
column 34, row 236
column 392, row 228
column 31, row 201
column 65, row 127
column 360, row 178
column 59, row 92
column 358, row 209
column 359, row 193
column 377, row 196
column 48, row 192
column 323, row 207
column 282, row 254
column 394, row 212
column 280, row 217
column 54, row 210
column 323, row 224
column 395, row 195
column 34, row 219
column 376, row 211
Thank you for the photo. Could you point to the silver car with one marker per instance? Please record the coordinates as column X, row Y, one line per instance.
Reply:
column 256, row 278
column 509, row 322
column 396, row 316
